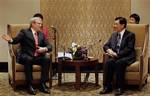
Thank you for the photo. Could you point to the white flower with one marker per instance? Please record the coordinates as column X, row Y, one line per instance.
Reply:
column 74, row 47
column 73, row 44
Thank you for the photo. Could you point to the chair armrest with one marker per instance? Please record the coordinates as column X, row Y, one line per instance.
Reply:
column 49, row 55
column 144, row 56
column 11, row 52
column 12, row 64
column 13, row 57
column 105, row 57
column 145, row 46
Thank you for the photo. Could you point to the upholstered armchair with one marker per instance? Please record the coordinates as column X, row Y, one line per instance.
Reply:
column 137, row 73
column 15, row 70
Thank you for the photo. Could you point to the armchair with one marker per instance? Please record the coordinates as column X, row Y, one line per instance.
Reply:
column 15, row 70
column 137, row 73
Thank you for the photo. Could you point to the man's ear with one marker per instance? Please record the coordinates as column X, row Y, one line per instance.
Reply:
column 123, row 25
column 33, row 22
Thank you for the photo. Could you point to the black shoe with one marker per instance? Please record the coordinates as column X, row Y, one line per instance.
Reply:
column 43, row 88
column 45, row 85
column 106, row 90
column 31, row 90
column 118, row 92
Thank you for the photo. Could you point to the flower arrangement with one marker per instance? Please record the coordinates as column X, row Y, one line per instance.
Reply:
column 78, row 52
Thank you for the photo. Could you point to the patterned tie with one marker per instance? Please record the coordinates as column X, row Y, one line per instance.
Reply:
column 36, row 43
column 118, row 42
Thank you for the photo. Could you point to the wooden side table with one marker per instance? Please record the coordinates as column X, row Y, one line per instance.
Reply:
column 77, row 64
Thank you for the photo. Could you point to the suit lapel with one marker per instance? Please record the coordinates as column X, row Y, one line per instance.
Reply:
column 115, row 40
column 38, row 33
column 30, row 35
column 123, row 38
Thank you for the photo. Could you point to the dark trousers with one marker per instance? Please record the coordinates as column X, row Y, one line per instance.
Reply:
column 114, row 68
column 42, row 61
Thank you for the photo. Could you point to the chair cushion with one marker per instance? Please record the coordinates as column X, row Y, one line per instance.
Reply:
column 21, row 76
column 20, row 68
column 134, row 67
column 138, row 51
column 132, row 76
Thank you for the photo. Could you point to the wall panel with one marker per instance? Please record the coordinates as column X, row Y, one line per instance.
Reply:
column 14, row 12
column 83, row 21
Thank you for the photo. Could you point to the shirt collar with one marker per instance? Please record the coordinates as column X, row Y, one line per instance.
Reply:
column 122, row 32
column 33, row 31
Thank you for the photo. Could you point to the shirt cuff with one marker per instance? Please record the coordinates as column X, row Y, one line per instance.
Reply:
column 10, row 41
column 46, row 49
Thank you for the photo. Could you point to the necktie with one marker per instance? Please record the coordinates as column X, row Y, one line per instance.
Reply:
column 118, row 42
column 36, row 43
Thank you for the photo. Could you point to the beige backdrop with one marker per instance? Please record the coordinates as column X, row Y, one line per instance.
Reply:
column 142, row 8
column 83, row 21
column 14, row 11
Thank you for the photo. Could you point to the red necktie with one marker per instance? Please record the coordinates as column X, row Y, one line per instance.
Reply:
column 36, row 43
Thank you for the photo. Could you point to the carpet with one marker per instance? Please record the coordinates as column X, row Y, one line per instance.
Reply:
column 67, row 88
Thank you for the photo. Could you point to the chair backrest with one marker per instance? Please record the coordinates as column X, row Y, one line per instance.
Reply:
column 140, row 30
column 141, row 35
column 13, row 30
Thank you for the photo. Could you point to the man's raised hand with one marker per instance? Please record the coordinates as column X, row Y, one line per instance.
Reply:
column 6, row 37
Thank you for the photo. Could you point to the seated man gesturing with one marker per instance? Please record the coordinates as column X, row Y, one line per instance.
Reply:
column 33, row 48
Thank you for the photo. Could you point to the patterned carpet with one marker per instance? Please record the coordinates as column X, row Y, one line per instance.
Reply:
column 67, row 89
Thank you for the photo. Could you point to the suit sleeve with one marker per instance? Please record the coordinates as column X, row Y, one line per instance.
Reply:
column 18, row 38
column 107, row 45
column 47, row 44
column 129, row 47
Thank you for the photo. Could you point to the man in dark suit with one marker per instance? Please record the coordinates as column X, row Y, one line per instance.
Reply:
column 33, row 48
column 120, row 48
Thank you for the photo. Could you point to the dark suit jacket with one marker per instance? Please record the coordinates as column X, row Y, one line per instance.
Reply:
column 27, row 42
column 127, row 50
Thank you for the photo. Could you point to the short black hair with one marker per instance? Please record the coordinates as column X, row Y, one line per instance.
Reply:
column 122, row 20
column 136, row 17
column 38, row 15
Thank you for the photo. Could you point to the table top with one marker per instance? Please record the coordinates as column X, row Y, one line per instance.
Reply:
column 87, row 62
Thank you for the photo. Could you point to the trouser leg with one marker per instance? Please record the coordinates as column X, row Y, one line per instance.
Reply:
column 108, row 72
column 28, row 69
column 45, row 64
column 120, row 73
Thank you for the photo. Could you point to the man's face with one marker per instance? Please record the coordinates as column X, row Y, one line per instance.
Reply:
column 37, row 25
column 132, row 20
column 117, row 26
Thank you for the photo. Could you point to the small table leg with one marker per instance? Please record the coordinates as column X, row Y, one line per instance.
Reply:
column 59, row 74
column 50, row 76
column 78, row 78
column 96, row 76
